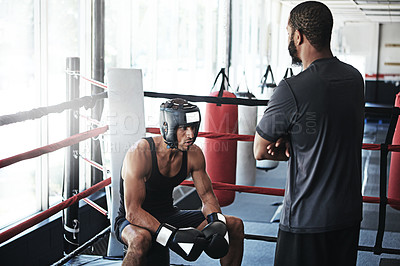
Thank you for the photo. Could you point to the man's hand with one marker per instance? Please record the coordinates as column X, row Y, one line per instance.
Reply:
column 188, row 243
column 217, row 235
column 264, row 149
column 281, row 143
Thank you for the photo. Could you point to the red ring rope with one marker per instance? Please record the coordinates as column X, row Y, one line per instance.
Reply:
column 228, row 136
column 4, row 236
column 212, row 135
column 95, row 206
column 53, row 147
column 94, row 82
column 92, row 133
column 274, row 191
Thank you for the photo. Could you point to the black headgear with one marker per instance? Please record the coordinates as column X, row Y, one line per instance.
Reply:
column 174, row 113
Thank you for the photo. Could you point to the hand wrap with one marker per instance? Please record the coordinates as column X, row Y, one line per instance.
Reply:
column 186, row 242
column 216, row 234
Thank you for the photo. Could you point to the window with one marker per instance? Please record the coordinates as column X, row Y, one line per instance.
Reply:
column 18, row 183
column 36, row 38
column 63, row 28
column 179, row 45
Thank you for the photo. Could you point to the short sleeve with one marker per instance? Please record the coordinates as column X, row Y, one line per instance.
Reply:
column 279, row 115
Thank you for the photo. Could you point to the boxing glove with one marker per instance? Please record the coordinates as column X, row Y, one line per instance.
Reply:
column 216, row 234
column 188, row 243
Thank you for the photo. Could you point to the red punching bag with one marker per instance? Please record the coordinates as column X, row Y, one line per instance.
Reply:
column 394, row 174
column 221, row 154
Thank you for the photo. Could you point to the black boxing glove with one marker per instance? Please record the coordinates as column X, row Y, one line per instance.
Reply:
column 216, row 234
column 188, row 243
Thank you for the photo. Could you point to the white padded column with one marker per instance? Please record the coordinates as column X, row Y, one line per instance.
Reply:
column 246, row 164
column 126, row 126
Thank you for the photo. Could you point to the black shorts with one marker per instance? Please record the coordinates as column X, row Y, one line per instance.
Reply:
column 337, row 247
column 178, row 218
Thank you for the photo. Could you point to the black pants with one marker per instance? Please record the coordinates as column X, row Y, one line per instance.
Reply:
column 334, row 248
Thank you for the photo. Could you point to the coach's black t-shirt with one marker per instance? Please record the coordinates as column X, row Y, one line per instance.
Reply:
column 322, row 111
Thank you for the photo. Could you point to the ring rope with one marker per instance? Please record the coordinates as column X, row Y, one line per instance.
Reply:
column 4, row 236
column 86, row 101
column 77, row 74
column 91, row 120
column 90, row 101
column 96, row 206
column 91, row 162
column 274, row 191
column 53, row 147
column 91, row 133
column 238, row 101
column 192, row 98
column 88, row 201
column 208, row 99
column 7, row 234
column 211, row 135
column 94, row 82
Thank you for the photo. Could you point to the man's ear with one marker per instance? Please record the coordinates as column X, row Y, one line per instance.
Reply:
column 298, row 37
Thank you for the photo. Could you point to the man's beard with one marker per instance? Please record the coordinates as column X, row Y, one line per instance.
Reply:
column 296, row 61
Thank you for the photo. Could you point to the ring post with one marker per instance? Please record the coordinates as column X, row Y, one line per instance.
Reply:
column 126, row 126
column 71, row 166
column 98, row 40
column 383, row 182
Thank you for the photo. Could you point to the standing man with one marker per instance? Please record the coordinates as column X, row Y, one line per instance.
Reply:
column 316, row 120
column 148, row 223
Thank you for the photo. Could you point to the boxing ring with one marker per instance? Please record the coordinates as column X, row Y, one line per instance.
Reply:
column 125, row 85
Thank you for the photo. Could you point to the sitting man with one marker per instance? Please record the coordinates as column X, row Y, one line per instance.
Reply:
column 148, row 222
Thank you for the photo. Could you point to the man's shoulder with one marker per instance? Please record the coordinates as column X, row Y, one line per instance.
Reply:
column 195, row 150
column 338, row 67
column 138, row 159
column 140, row 149
column 195, row 156
column 284, row 90
column 139, row 146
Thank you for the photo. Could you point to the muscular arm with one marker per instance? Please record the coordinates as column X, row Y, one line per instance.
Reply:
column 278, row 118
column 267, row 150
column 202, row 181
column 136, row 167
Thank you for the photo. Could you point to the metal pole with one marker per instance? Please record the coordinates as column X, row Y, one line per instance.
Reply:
column 71, row 169
column 378, row 57
column 228, row 37
column 383, row 182
column 382, row 199
column 97, row 74
column 80, row 249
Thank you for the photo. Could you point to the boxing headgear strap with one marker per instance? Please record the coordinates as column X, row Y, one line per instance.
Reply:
column 174, row 113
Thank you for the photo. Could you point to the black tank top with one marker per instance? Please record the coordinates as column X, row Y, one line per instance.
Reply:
column 159, row 188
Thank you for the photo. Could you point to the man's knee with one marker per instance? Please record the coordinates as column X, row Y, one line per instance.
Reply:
column 235, row 227
column 139, row 242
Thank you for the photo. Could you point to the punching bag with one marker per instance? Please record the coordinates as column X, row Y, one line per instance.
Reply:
column 246, row 164
column 221, row 154
column 264, row 93
column 394, row 172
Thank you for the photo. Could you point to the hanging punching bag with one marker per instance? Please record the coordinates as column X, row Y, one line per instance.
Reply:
column 221, row 154
column 246, row 164
column 264, row 93
column 394, row 172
